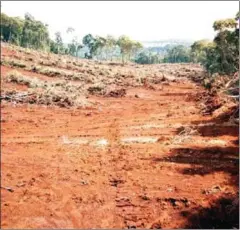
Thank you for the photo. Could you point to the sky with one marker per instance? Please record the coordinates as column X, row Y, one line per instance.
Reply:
column 140, row 20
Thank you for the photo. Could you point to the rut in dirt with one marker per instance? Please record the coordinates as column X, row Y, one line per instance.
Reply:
column 151, row 161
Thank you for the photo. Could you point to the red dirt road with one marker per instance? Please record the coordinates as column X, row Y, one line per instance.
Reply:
column 119, row 165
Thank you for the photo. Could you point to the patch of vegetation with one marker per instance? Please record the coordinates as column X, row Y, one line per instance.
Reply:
column 16, row 77
column 49, row 96
column 13, row 63
column 53, row 96
column 222, row 54
column 96, row 90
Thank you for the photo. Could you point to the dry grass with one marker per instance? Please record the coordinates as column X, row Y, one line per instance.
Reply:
column 61, row 93
column 56, row 96
column 91, row 77
column 81, row 69
column 97, row 90
column 16, row 77
column 184, row 133
column 13, row 63
column 50, row 96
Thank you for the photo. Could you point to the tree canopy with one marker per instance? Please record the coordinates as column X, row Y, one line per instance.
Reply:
column 177, row 54
column 222, row 54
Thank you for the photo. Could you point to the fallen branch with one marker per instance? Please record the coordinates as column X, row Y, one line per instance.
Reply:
column 231, row 82
column 7, row 188
column 16, row 96
column 230, row 89
column 233, row 96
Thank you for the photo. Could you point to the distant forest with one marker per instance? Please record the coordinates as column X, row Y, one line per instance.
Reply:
column 218, row 56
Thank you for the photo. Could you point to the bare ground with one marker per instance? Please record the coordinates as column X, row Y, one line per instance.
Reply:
column 146, row 160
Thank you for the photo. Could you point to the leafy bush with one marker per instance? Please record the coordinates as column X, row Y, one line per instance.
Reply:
column 221, row 55
column 147, row 58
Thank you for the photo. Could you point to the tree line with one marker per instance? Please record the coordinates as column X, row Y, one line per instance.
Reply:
column 218, row 56
column 26, row 32
column 222, row 54
column 31, row 33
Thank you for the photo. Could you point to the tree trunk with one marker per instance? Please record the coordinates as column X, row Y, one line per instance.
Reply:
column 9, row 37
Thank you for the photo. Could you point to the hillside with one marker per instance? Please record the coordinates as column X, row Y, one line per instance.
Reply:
column 68, row 75
column 170, row 42
column 89, row 144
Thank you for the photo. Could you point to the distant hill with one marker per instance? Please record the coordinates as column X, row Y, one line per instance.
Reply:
column 160, row 47
column 162, row 43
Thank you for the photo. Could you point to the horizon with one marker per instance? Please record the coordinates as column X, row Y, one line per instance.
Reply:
column 151, row 21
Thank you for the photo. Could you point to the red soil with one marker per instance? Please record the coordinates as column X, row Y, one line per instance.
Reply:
column 61, row 181
column 7, row 52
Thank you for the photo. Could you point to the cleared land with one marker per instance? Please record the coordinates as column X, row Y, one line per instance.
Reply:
column 120, row 147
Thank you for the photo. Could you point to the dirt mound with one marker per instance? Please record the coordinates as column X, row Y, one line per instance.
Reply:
column 208, row 102
column 227, row 112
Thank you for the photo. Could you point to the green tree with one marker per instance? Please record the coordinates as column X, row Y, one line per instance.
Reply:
column 53, row 47
column 126, row 45
column 198, row 50
column 135, row 48
column 110, row 45
column 177, row 54
column 100, row 43
column 89, row 41
column 11, row 29
column 94, row 44
column 59, row 42
column 223, row 56
column 74, row 47
column 34, row 34
column 221, row 25
column 147, row 58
